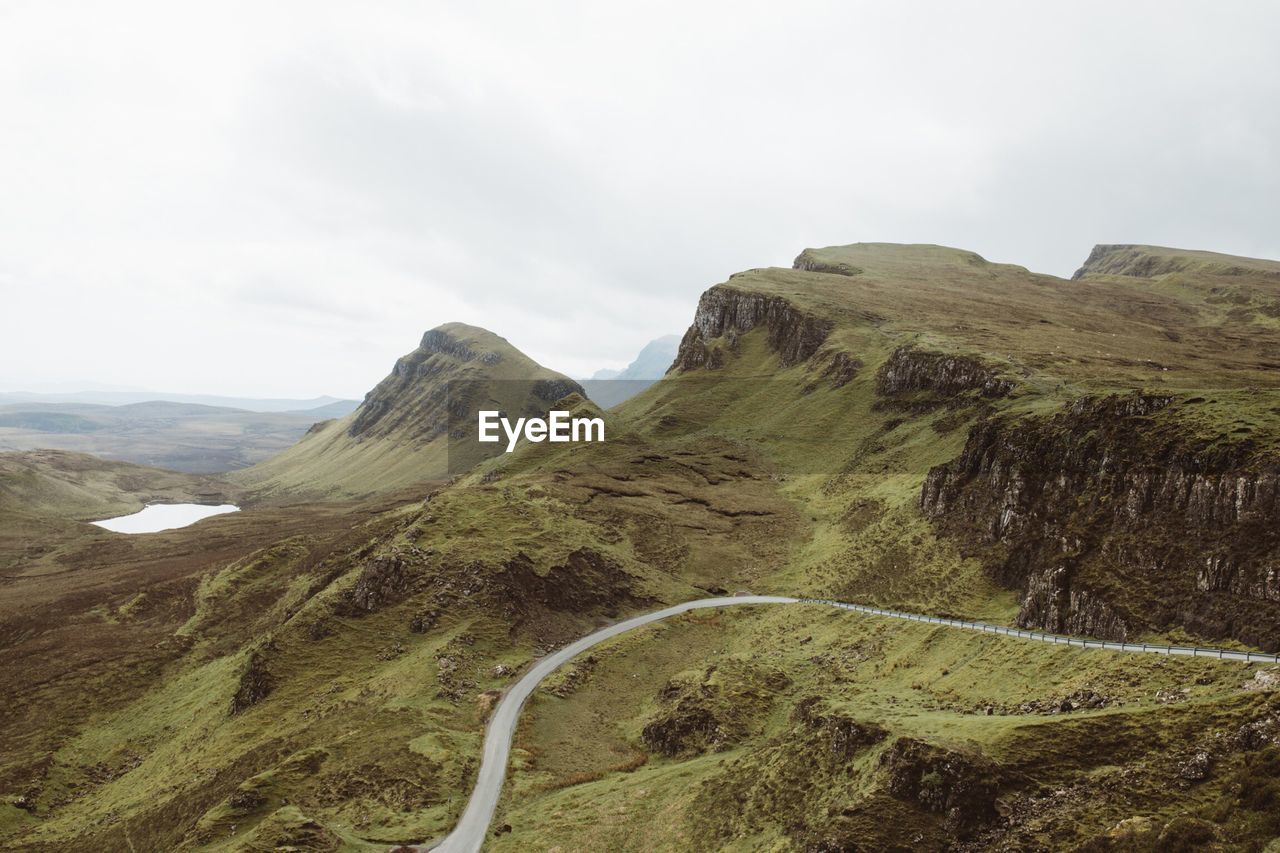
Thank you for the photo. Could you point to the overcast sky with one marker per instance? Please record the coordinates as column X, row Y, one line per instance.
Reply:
column 278, row 199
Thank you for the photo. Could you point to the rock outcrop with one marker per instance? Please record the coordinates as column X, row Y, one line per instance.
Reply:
column 1049, row 601
column 837, row 366
column 713, row 711
column 1113, row 516
column 909, row 369
column 726, row 312
column 1125, row 260
column 256, row 682
column 1151, row 261
column 382, row 580
column 960, row 787
column 840, row 737
column 808, row 261
column 587, row 581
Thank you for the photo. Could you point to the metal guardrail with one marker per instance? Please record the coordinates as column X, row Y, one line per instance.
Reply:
column 1057, row 639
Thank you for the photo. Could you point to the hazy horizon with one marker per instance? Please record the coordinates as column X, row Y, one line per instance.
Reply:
column 278, row 201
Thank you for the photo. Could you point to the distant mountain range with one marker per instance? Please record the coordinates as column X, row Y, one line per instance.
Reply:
column 608, row 387
column 190, row 437
column 652, row 362
column 332, row 406
column 906, row 426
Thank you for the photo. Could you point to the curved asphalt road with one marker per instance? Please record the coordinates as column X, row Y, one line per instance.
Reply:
column 470, row 832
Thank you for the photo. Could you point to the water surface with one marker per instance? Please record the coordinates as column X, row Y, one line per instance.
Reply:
column 163, row 517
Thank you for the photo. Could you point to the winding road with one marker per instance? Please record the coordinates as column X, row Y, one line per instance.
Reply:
column 469, row 835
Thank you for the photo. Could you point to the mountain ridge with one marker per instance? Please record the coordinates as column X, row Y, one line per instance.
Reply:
column 1145, row 261
column 399, row 434
column 609, row 387
column 909, row 427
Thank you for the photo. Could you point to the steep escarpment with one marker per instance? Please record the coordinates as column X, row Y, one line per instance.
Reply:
column 1139, row 261
column 327, row 680
column 960, row 787
column 442, row 377
column 725, row 312
column 909, row 369
column 399, row 434
column 1114, row 517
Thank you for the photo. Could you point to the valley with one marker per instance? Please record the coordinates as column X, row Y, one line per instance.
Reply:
column 906, row 427
column 189, row 437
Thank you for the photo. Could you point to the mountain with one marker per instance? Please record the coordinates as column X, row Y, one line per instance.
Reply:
column 400, row 433
column 905, row 426
column 1159, row 261
column 1094, row 456
column 948, row 436
column 654, row 359
column 651, row 363
column 336, row 409
column 608, row 388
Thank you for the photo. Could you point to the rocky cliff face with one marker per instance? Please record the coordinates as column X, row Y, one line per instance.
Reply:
column 1125, row 260
column 439, row 355
column 1151, row 261
column 725, row 312
column 910, row 369
column 418, row 424
column 1112, row 518
column 961, row 787
column 416, row 400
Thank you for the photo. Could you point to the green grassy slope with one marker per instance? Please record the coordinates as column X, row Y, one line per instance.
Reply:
column 1171, row 331
column 82, row 487
column 849, row 451
column 398, row 435
column 46, row 496
column 772, row 729
column 326, row 688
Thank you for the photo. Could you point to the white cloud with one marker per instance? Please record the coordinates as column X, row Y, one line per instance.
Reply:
column 279, row 198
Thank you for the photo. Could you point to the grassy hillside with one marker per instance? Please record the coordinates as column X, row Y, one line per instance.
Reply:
column 786, row 728
column 47, row 496
column 896, row 425
column 83, row 487
column 855, row 379
column 399, row 434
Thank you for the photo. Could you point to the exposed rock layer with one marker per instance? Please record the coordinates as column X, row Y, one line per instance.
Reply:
column 713, row 712
column 255, row 684
column 1151, row 261
column 725, row 312
column 959, row 786
column 1111, row 518
column 806, row 260
column 442, row 379
column 909, row 369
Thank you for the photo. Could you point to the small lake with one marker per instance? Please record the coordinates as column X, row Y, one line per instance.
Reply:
column 163, row 517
